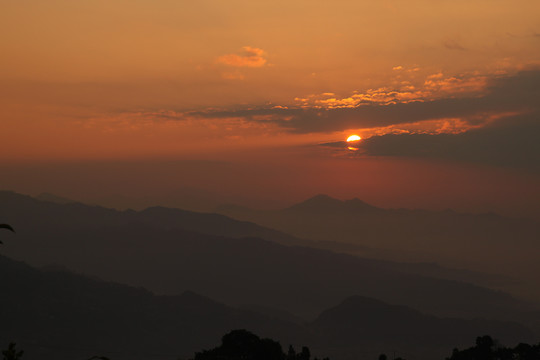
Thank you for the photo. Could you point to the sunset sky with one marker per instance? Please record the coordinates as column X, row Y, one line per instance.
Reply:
column 251, row 101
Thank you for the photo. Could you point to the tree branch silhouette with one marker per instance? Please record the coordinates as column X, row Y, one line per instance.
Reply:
column 6, row 226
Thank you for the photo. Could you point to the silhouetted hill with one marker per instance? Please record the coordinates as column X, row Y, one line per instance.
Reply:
column 213, row 224
column 365, row 321
column 368, row 325
column 480, row 242
column 61, row 315
column 325, row 204
column 21, row 209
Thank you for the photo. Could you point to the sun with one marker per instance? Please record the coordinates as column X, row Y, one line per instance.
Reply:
column 353, row 140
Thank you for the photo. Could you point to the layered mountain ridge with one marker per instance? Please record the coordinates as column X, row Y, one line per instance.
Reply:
column 61, row 315
column 486, row 243
column 158, row 252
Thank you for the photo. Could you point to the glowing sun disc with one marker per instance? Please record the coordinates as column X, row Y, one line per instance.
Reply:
column 353, row 138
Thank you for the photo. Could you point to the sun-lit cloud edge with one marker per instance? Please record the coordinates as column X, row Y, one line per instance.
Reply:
column 435, row 86
column 454, row 104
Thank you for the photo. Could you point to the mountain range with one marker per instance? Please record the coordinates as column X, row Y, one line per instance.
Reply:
column 160, row 250
column 486, row 243
column 56, row 314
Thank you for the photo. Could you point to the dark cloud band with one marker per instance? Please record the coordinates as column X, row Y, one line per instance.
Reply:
column 506, row 94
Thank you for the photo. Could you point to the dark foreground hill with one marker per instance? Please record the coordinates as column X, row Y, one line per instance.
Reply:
column 60, row 315
column 362, row 324
column 236, row 271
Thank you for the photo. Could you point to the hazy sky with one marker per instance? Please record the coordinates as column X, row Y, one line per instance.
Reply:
column 251, row 100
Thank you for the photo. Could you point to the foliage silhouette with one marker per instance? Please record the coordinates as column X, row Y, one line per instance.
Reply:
column 244, row 345
column 291, row 354
column 241, row 344
column 305, row 354
column 11, row 353
column 488, row 349
column 6, row 226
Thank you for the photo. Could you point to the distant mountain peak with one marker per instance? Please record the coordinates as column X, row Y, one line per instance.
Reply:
column 317, row 203
column 322, row 199
column 324, row 203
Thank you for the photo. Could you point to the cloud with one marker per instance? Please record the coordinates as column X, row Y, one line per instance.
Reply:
column 249, row 57
column 497, row 123
column 435, row 86
column 452, row 44
column 473, row 100
column 233, row 75
column 505, row 142
column 501, row 128
column 455, row 85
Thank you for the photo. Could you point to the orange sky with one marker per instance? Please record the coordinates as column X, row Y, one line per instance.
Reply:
column 254, row 83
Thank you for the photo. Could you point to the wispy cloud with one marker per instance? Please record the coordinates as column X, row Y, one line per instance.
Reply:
column 453, row 44
column 233, row 75
column 249, row 57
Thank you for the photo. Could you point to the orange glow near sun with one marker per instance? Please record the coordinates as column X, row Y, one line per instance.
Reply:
column 353, row 138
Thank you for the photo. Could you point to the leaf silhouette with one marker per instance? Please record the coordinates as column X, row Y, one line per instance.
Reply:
column 6, row 226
